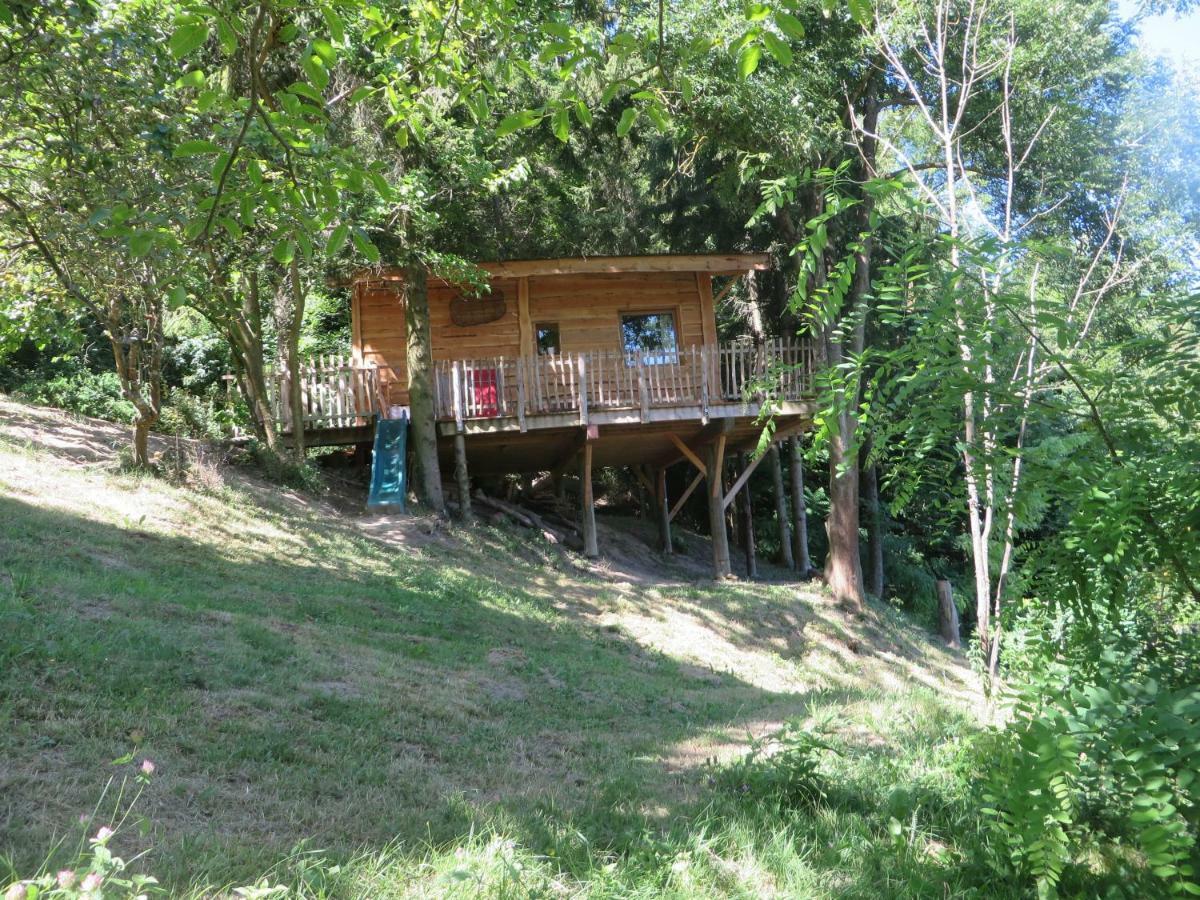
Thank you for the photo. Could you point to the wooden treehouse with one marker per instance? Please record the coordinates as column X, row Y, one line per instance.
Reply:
column 573, row 363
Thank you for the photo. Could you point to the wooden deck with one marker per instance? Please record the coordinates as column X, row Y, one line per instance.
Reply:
column 523, row 414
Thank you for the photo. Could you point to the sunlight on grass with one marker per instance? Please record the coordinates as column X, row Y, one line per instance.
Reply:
column 460, row 715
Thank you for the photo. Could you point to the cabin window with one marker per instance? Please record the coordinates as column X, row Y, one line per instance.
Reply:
column 547, row 339
column 651, row 338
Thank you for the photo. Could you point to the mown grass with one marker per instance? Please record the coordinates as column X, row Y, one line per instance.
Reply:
column 460, row 716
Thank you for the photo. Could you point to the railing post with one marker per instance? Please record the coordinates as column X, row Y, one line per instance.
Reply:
column 521, row 392
column 643, row 399
column 581, row 367
column 456, row 389
column 704, row 354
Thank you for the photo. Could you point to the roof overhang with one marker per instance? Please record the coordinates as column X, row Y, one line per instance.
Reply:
column 707, row 263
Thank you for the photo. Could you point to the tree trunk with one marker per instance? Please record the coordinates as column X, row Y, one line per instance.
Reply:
column 423, row 427
column 242, row 327
column 947, row 614
column 289, row 327
column 874, row 515
column 781, row 510
column 801, row 559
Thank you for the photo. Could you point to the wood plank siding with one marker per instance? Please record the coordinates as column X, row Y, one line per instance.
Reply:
column 585, row 298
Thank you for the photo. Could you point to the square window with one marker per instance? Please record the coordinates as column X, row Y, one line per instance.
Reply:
column 651, row 338
column 547, row 339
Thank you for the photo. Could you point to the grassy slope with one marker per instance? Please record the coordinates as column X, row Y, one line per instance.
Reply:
column 464, row 713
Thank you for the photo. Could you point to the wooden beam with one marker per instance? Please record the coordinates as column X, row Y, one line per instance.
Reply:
column 684, row 496
column 528, row 340
column 687, row 452
column 660, row 508
column 708, row 315
column 746, row 524
column 462, row 477
column 742, row 479
column 641, row 476
column 591, row 547
column 724, row 293
column 716, row 509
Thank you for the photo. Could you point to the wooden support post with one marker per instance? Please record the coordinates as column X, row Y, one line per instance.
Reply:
column 716, row 508
column 781, row 510
column 462, row 478
column 799, row 513
column 747, row 524
column 591, row 547
column 664, row 514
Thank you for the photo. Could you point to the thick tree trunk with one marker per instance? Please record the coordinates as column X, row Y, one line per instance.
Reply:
column 587, row 504
column 428, row 480
column 781, row 511
column 874, row 515
column 843, row 568
column 947, row 614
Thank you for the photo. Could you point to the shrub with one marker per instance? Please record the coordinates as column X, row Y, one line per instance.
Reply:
column 781, row 769
column 87, row 393
column 1096, row 764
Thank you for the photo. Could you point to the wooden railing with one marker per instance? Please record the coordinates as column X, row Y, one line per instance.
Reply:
column 613, row 380
column 335, row 393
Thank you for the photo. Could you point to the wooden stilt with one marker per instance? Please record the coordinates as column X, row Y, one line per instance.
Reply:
column 462, row 478
column 747, row 523
column 663, row 508
column 591, row 547
column 716, row 508
column 800, row 514
column 786, row 557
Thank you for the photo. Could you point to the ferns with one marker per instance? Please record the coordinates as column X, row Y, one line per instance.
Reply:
column 1106, row 764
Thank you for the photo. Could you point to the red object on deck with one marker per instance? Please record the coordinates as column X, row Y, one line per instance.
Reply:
column 484, row 387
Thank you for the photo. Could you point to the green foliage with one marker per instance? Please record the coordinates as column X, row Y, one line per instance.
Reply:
column 1100, row 762
column 81, row 391
column 781, row 769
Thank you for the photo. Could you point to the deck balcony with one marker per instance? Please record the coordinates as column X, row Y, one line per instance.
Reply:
column 518, row 394
column 620, row 388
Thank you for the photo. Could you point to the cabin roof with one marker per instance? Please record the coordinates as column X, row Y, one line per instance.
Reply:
column 710, row 263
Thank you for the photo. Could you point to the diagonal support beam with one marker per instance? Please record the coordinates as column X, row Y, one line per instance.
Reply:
column 684, row 496
column 688, row 453
column 780, row 435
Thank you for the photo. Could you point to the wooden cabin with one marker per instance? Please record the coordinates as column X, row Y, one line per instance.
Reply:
column 611, row 361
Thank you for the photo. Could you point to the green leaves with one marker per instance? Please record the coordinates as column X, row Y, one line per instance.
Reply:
column 337, row 240
column 789, row 25
column 516, row 121
column 187, row 38
column 778, row 48
column 628, row 117
column 748, row 59
column 198, row 147
column 861, row 11
column 562, row 124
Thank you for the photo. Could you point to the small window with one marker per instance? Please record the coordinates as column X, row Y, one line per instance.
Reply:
column 547, row 339
column 650, row 337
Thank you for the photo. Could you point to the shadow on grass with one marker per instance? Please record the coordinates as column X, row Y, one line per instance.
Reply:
column 320, row 688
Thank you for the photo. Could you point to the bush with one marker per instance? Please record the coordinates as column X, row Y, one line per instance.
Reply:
column 1100, row 767
column 780, row 769
column 82, row 391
